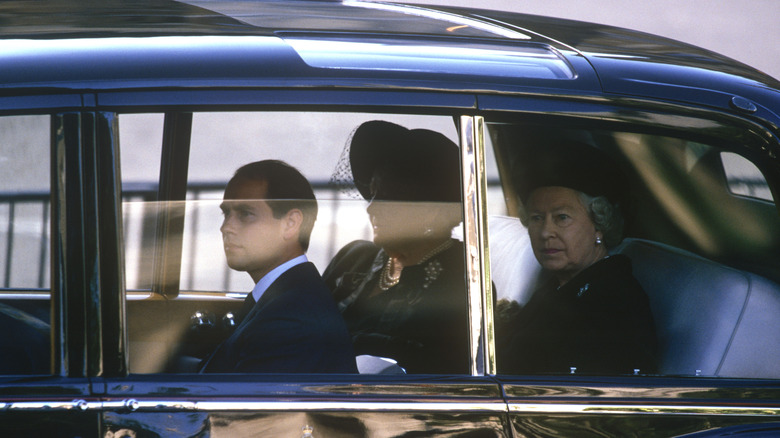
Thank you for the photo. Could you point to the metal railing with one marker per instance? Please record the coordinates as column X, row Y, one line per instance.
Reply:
column 26, row 220
column 16, row 241
column 25, row 231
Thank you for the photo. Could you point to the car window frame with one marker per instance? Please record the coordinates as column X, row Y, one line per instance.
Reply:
column 94, row 378
column 179, row 106
column 583, row 110
column 67, row 386
column 615, row 403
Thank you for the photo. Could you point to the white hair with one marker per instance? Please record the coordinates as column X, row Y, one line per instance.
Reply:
column 606, row 216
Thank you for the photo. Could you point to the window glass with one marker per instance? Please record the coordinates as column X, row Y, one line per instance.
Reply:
column 625, row 253
column 744, row 177
column 314, row 146
column 140, row 137
column 386, row 241
column 25, row 244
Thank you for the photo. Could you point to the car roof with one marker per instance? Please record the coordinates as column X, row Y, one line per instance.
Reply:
column 53, row 44
column 638, row 63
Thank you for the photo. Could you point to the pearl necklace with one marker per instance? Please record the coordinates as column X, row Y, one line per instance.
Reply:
column 388, row 280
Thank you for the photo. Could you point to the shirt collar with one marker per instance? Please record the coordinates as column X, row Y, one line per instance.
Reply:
column 271, row 276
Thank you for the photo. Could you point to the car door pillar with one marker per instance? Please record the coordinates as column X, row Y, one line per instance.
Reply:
column 87, row 264
column 475, row 239
column 173, row 190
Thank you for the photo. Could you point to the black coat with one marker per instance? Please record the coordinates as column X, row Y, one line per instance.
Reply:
column 599, row 322
column 294, row 328
column 421, row 322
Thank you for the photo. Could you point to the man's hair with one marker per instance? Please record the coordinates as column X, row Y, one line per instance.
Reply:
column 286, row 189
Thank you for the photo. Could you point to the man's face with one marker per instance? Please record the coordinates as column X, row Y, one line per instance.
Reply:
column 253, row 239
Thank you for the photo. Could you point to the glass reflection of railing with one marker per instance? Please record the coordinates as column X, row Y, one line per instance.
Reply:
column 25, row 234
column 201, row 248
column 25, row 231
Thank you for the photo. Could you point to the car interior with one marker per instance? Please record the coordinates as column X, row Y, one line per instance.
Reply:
column 715, row 315
column 703, row 242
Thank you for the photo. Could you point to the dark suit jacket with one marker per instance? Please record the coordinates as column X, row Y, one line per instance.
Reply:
column 294, row 328
column 24, row 344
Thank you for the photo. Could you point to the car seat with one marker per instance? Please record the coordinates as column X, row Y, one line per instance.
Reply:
column 711, row 320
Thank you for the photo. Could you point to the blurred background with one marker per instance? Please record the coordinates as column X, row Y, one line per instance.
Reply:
column 745, row 30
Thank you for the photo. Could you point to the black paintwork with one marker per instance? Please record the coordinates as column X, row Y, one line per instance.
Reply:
column 606, row 59
column 64, row 55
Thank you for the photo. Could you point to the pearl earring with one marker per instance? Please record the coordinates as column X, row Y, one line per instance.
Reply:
column 598, row 240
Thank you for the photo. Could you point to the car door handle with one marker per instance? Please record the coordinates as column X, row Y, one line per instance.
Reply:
column 201, row 320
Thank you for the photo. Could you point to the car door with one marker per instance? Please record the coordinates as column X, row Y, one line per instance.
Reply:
column 701, row 230
column 53, row 271
column 181, row 295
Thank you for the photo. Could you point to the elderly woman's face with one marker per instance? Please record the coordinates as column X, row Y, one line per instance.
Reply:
column 562, row 234
column 397, row 223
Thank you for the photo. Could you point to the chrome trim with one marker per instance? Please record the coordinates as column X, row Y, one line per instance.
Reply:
column 591, row 409
column 476, row 240
column 484, row 249
column 471, row 227
column 59, row 405
column 25, row 296
column 135, row 405
column 210, row 296
column 140, row 296
column 195, row 296
column 352, row 406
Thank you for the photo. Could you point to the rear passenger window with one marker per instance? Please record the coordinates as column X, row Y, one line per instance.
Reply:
column 622, row 253
column 387, row 241
column 25, row 244
column 744, row 177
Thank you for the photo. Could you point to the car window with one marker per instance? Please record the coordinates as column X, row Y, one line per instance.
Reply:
column 622, row 253
column 744, row 177
column 367, row 226
column 25, row 244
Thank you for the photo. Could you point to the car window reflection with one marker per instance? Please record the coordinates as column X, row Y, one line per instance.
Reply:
column 403, row 293
column 396, row 220
column 680, row 292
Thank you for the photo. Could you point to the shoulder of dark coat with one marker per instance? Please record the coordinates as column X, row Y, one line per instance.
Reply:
column 611, row 277
column 299, row 293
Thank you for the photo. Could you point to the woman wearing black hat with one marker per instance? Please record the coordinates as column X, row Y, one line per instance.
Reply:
column 403, row 296
column 591, row 315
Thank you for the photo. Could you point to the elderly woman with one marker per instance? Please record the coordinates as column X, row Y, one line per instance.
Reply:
column 403, row 295
column 590, row 315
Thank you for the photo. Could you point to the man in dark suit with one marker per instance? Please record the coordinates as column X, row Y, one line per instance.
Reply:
column 289, row 323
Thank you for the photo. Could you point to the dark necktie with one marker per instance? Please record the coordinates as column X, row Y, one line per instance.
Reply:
column 239, row 315
column 246, row 307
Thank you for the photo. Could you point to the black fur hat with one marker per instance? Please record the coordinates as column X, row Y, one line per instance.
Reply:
column 570, row 164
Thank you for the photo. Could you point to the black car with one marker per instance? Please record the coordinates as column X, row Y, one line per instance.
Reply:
column 122, row 122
